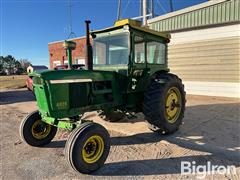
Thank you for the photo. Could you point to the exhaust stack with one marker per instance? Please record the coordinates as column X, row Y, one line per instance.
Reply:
column 89, row 53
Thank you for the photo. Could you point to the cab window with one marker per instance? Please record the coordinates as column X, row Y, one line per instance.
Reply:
column 139, row 47
column 156, row 52
column 111, row 49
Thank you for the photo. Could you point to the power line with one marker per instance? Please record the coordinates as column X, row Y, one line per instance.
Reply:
column 71, row 34
column 128, row 2
column 161, row 6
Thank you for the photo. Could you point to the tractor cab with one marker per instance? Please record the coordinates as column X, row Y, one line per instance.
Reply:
column 129, row 48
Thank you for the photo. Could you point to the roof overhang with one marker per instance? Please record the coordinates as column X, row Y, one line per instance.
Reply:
column 134, row 25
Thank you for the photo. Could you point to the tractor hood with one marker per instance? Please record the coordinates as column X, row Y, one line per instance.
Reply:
column 60, row 76
column 71, row 91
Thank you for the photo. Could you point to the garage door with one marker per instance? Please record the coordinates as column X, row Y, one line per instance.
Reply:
column 207, row 60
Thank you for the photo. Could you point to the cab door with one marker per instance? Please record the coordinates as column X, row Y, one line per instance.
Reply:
column 138, row 72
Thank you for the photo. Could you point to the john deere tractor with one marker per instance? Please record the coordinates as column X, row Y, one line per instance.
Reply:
column 126, row 71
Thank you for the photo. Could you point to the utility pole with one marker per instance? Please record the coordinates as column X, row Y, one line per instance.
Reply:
column 144, row 12
column 119, row 9
column 140, row 8
column 152, row 9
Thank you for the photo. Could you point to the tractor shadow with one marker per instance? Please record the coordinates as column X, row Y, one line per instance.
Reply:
column 212, row 129
column 209, row 128
column 16, row 96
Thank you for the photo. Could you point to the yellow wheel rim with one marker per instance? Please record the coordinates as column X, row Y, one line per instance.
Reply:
column 93, row 149
column 40, row 130
column 173, row 104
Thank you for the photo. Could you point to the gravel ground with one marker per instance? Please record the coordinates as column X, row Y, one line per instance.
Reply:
column 210, row 133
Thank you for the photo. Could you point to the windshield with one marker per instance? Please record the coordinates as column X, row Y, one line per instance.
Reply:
column 111, row 49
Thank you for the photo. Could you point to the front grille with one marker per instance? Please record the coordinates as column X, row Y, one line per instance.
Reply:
column 78, row 94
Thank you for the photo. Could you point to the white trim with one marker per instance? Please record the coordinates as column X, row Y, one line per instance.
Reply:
column 70, row 81
column 224, row 89
column 81, row 37
column 225, row 31
column 185, row 10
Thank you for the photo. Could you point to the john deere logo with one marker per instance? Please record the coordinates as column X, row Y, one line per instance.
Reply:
column 61, row 104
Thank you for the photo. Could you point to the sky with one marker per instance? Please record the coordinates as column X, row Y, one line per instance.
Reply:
column 27, row 26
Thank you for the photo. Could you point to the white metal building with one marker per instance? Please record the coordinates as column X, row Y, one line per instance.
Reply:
column 205, row 46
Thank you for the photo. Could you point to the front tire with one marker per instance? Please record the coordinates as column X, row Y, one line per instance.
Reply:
column 87, row 147
column 164, row 103
column 35, row 132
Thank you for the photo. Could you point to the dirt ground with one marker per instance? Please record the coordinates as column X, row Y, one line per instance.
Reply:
column 210, row 133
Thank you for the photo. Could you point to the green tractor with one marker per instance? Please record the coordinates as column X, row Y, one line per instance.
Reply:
column 126, row 71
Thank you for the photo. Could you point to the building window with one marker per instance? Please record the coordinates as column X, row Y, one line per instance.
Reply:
column 56, row 63
column 80, row 61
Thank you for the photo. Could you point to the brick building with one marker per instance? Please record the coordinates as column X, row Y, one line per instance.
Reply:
column 58, row 54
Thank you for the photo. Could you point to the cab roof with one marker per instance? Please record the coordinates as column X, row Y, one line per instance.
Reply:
column 135, row 25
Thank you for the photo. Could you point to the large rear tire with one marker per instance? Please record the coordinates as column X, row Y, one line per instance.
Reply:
column 87, row 147
column 164, row 103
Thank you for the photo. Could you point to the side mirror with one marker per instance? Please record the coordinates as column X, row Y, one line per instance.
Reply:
column 93, row 35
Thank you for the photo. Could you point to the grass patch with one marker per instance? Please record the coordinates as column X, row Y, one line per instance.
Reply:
column 13, row 82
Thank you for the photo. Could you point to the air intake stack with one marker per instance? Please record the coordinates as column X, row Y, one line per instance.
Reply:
column 89, row 55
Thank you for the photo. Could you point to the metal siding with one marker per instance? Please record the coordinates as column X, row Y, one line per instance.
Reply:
column 177, row 24
column 237, row 10
column 207, row 59
column 231, row 11
column 219, row 17
column 215, row 14
column 214, row 60
column 224, row 12
column 227, row 11
column 211, row 15
column 185, row 20
column 169, row 23
column 164, row 23
column 171, row 26
column 160, row 25
column 204, row 16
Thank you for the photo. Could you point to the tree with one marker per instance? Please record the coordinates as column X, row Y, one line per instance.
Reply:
column 9, row 65
column 24, row 64
column 1, row 63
